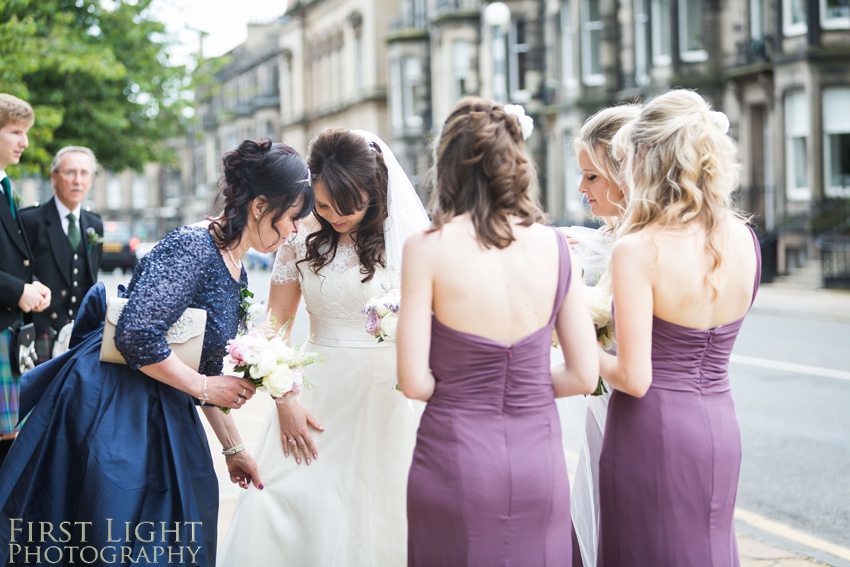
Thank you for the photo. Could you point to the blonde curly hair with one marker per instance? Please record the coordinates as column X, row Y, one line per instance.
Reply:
column 481, row 169
column 678, row 164
column 595, row 137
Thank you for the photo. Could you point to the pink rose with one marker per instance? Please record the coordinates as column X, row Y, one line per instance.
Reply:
column 235, row 351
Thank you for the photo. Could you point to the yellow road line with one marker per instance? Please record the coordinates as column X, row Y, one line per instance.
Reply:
column 783, row 531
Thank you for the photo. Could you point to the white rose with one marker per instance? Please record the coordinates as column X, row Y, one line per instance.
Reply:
column 256, row 313
column 279, row 347
column 279, row 381
column 389, row 326
column 265, row 364
column 381, row 308
column 599, row 303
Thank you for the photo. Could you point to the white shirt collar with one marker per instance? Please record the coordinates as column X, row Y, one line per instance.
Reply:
column 2, row 175
column 63, row 210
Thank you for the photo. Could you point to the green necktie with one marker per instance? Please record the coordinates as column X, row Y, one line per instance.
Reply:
column 73, row 231
column 7, row 189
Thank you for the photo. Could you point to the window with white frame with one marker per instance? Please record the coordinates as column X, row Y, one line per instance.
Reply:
column 691, row 34
column 358, row 61
column 140, row 191
column 114, row 193
column 572, row 178
column 592, row 28
column 287, row 84
column 396, row 109
column 794, row 17
column 836, row 143
column 642, row 59
column 568, row 45
column 835, row 14
column 758, row 19
column 461, row 56
column 661, row 25
column 518, row 60
column 411, row 84
column 796, row 138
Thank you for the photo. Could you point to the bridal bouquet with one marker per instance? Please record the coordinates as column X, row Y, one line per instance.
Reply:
column 263, row 356
column 598, row 299
column 382, row 315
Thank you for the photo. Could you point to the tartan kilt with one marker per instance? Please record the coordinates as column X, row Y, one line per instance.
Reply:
column 44, row 347
column 9, row 386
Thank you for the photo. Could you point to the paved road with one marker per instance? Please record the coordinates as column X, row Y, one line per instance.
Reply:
column 795, row 427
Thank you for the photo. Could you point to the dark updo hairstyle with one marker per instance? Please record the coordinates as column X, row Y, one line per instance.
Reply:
column 481, row 170
column 259, row 169
column 349, row 166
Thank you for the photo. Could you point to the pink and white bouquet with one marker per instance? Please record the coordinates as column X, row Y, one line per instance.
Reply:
column 382, row 315
column 263, row 356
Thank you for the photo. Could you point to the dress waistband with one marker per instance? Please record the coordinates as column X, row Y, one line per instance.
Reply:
column 351, row 333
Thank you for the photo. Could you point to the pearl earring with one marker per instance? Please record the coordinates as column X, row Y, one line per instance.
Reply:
column 256, row 217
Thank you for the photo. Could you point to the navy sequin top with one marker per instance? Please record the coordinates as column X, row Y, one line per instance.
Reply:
column 184, row 270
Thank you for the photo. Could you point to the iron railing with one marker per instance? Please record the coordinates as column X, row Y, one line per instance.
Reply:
column 752, row 51
column 834, row 248
column 827, row 223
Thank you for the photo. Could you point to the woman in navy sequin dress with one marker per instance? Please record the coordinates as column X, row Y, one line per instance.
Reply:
column 118, row 453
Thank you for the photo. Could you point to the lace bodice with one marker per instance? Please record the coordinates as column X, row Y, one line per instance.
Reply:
column 336, row 292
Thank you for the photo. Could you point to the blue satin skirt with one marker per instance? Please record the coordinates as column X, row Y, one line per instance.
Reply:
column 110, row 465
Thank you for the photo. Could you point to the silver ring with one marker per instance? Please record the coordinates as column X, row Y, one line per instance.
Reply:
column 292, row 441
column 243, row 392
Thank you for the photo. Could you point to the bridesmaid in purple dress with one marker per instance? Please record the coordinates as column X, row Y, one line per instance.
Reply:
column 685, row 270
column 481, row 292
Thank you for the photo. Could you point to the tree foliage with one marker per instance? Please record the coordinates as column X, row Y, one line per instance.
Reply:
column 97, row 74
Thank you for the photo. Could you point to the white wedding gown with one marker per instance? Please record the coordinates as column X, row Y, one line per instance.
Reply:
column 348, row 507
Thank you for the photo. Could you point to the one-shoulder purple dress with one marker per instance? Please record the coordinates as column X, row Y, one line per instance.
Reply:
column 668, row 473
column 488, row 486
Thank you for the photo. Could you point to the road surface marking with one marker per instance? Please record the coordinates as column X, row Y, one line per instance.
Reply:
column 789, row 367
column 783, row 531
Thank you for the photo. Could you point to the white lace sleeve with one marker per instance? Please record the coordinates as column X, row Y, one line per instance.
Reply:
column 285, row 269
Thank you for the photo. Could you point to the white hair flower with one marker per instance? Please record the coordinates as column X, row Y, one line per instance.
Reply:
column 720, row 121
column 526, row 122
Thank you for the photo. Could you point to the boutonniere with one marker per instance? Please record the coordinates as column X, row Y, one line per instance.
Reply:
column 18, row 199
column 93, row 237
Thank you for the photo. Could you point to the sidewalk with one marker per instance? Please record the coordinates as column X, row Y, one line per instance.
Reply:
column 820, row 304
column 757, row 554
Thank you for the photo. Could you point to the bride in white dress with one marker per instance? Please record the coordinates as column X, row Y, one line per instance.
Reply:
column 335, row 493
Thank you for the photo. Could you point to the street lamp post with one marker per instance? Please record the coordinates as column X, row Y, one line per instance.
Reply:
column 497, row 15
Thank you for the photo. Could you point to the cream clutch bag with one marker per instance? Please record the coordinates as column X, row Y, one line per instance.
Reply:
column 185, row 337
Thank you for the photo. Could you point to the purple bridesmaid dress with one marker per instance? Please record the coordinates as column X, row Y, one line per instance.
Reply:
column 669, row 468
column 488, row 486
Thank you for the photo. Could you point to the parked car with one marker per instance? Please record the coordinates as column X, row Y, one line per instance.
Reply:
column 119, row 247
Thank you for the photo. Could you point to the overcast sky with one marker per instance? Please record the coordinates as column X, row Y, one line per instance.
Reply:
column 225, row 20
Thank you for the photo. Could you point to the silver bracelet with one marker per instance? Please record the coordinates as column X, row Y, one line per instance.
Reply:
column 233, row 450
column 204, row 397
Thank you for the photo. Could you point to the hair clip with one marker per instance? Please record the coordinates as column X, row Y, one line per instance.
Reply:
column 309, row 178
column 719, row 120
column 526, row 123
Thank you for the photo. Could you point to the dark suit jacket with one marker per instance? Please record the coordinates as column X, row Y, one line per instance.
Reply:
column 16, row 266
column 52, row 258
